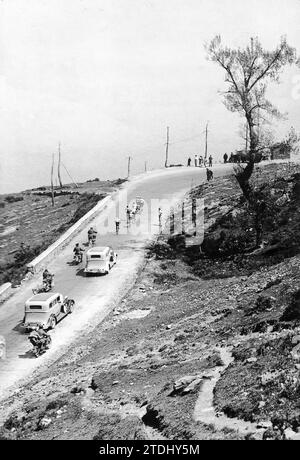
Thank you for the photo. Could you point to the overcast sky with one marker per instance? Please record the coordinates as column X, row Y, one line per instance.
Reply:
column 106, row 77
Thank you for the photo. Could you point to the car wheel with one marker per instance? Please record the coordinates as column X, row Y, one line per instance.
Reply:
column 52, row 322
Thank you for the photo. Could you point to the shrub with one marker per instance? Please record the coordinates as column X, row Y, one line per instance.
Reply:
column 160, row 249
column 292, row 312
column 13, row 198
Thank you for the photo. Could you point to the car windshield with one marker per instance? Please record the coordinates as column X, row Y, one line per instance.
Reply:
column 35, row 307
column 96, row 256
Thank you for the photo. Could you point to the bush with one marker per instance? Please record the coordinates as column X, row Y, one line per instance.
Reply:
column 177, row 243
column 13, row 198
column 161, row 250
column 292, row 312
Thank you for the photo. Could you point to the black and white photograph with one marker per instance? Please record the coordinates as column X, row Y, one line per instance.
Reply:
column 149, row 223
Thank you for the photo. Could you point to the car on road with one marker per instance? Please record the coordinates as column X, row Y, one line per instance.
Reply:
column 100, row 260
column 46, row 309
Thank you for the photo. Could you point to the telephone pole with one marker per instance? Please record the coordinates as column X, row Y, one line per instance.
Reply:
column 206, row 137
column 58, row 167
column 129, row 161
column 52, row 188
column 167, row 147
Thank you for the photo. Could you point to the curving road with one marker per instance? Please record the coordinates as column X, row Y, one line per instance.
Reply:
column 94, row 296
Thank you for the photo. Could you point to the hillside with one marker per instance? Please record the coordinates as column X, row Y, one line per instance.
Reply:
column 205, row 345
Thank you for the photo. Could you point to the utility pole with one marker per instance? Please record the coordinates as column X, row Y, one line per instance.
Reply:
column 52, row 188
column 206, row 136
column 167, row 147
column 129, row 161
column 58, row 167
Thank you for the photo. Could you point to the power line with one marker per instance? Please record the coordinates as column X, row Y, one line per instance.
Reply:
column 69, row 175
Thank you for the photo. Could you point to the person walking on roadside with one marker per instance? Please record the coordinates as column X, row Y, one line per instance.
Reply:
column 201, row 161
column 210, row 160
column 117, row 222
column 196, row 160
column 225, row 157
column 159, row 216
column 128, row 214
column 189, row 161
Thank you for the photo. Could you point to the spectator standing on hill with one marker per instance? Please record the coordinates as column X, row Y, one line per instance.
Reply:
column 210, row 160
column 225, row 157
column 189, row 161
column 196, row 161
column 209, row 174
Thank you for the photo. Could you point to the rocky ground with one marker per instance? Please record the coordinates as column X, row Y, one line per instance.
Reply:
column 186, row 355
column 29, row 223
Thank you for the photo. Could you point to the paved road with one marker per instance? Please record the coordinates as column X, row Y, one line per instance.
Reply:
column 94, row 296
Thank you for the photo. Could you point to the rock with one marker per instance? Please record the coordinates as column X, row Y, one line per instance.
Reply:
column 77, row 390
column 296, row 352
column 291, row 435
column 186, row 384
column 163, row 347
column 89, row 392
column 265, row 424
column 251, row 360
column 44, row 422
column 179, row 336
column 296, row 339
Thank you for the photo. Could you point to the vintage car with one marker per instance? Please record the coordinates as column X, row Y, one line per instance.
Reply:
column 46, row 310
column 100, row 260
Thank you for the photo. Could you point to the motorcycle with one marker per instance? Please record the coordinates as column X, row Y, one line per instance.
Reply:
column 47, row 285
column 78, row 258
column 92, row 240
column 40, row 346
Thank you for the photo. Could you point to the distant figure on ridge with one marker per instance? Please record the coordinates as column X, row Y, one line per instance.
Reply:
column 209, row 174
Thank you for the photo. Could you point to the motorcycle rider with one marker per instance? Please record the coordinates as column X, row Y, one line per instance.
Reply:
column 44, row 336
column 47, row 278
column 78, row 252
column 34, row 337
column 92, row 235
column 39, row 338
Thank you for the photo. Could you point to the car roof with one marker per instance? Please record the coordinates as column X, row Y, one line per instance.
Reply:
column 43, row 296
column 96, row 250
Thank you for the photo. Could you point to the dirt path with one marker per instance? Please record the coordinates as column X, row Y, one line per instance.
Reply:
column 204, row 410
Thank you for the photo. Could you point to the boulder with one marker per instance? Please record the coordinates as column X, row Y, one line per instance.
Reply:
column 186, row 384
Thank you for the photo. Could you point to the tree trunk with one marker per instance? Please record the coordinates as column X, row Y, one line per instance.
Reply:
column 244, row 176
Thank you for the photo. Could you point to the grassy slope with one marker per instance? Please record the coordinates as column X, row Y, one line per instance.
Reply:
column 36, row 224
column 168, row 327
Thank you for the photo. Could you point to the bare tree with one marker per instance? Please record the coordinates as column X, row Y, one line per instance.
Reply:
column 247, row 73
